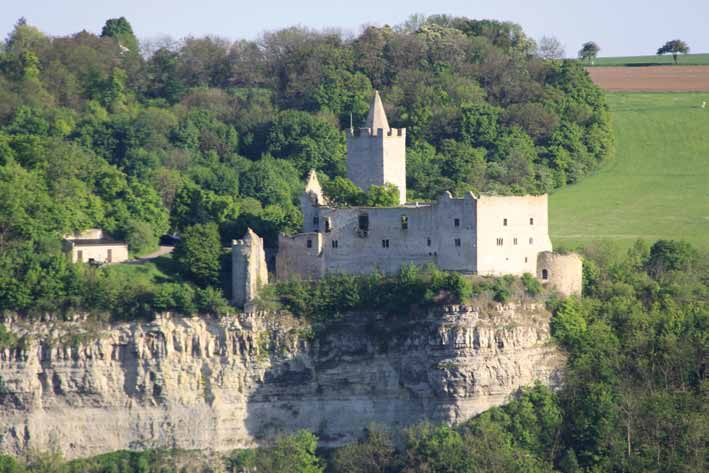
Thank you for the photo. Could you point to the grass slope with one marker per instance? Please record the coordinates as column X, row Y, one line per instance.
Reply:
column 684, row 60
column 656, row 186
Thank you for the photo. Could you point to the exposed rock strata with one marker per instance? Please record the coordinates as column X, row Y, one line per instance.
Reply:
column 205, row 384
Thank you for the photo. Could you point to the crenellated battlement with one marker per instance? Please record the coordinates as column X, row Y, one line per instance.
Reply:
column 379, row 132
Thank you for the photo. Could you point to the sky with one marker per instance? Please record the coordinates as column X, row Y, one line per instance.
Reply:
column 620, row 27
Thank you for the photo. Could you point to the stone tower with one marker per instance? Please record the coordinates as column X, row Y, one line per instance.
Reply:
column 376, row 154
column 248, row 266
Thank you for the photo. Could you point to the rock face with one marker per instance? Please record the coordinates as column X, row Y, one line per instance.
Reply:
column 196, row 383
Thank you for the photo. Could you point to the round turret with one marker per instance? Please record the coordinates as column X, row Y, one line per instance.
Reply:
column 562, row 272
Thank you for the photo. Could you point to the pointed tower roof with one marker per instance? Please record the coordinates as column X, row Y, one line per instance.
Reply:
column 377, row 118
column 313, row 188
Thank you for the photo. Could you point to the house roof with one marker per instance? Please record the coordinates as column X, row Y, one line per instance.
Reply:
column 97, row 242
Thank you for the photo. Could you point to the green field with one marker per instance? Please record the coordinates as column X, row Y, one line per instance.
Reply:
column 684, row 60
column 657, row 184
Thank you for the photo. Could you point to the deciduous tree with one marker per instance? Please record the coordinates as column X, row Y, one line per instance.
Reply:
column 674, row 47
column 589, row 51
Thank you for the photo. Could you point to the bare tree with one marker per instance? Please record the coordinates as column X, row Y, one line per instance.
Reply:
column 550, row 48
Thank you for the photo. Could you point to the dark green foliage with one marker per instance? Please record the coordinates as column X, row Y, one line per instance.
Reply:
column 532, row 286
column 290, row 454
column 382, row 196
column 198, row 254
column 331, row 296
column 589, row 51
column 374, row 454
column 121, row 31
column 342, row 192
column 669, row 255
column 674, row 47
column 308, row 142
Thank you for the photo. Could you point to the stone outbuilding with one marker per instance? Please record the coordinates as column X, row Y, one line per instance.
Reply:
column 94, row 246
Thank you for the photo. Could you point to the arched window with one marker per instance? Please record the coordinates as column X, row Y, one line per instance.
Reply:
column 545, row 274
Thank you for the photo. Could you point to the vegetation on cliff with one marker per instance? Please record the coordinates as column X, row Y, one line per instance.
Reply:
column 633, row 399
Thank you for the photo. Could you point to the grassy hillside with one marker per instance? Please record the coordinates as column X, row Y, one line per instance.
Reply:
column 654, row 60
column 656, row 186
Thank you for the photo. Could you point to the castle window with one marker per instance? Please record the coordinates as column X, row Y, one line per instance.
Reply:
column 363, row 222
column 500, row 242
column 531, row 220
column 504, row 222
column 456, row 222
column 457, row 242
column 404, row 222
column 328, row 225
column 316, row 221
column 385, row 243
column 545, row 274
column 335, row 243
column 428, row 241
column 514, row 241
column 80, row 256
column 525, row 259
column 531, row 240
column 309, row 244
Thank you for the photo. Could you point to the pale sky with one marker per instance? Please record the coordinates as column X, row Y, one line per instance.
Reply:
column 620, row 27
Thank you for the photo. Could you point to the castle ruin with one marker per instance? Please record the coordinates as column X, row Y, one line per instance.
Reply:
column 486, row 235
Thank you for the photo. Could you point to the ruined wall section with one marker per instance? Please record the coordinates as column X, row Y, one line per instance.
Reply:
column 300, row 255
column 385, row 245
column 249, row 271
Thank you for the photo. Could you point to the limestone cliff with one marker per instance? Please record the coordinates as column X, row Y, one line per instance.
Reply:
column 196, row 383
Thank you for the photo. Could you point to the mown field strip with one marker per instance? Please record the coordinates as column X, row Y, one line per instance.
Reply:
column 657, row 184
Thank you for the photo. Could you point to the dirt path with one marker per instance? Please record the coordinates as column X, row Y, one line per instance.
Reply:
column 161, row 251
column 651, row 78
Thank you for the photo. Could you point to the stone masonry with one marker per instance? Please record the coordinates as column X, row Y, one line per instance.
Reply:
column 249, row 272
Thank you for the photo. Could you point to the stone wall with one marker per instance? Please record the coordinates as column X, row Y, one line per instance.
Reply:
column 512, row 230
column 248, row 265
column 487, row 235
column 378, row 156
column 297, row 257
column 98, row 253
column 237, row 382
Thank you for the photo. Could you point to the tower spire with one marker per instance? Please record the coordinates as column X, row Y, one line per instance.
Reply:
column 377, row 118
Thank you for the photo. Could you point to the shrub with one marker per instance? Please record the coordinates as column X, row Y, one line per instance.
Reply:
column 532, row 286
column 198, row 254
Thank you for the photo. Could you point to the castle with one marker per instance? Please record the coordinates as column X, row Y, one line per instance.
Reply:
column 486, row 235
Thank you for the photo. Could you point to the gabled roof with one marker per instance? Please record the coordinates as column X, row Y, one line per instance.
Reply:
column 377, row 118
